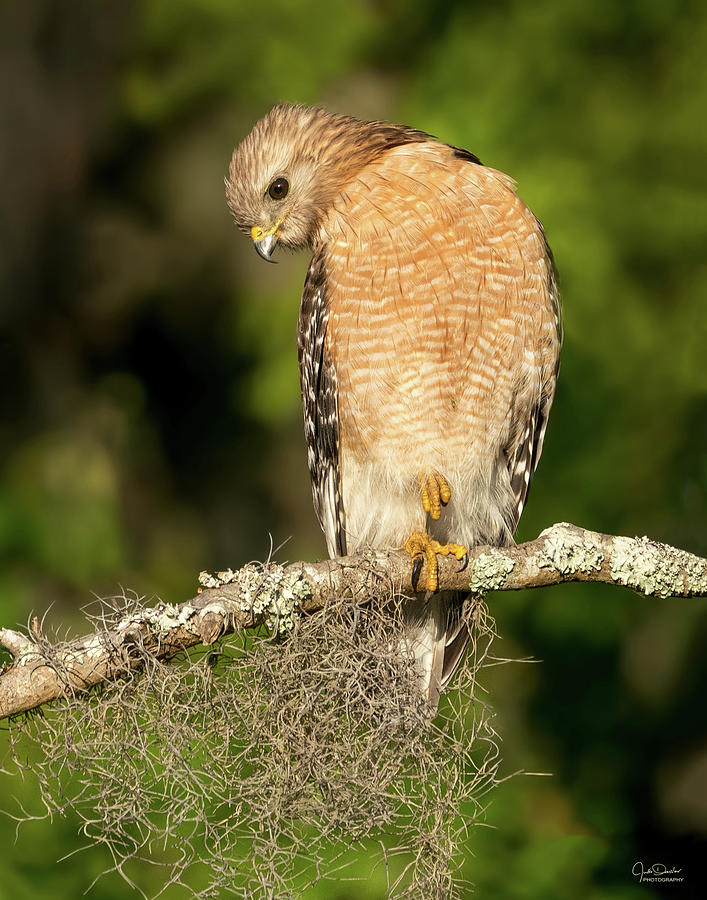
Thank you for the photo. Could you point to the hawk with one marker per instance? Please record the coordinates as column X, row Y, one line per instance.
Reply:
column 429, row 335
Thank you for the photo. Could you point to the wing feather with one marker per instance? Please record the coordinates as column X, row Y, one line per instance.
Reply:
column 319, row 388
column 523, row 458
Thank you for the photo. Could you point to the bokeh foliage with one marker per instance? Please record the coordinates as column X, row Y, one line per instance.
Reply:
column 150, row 422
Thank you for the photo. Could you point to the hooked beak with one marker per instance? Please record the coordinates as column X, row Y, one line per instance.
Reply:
column 264, row 241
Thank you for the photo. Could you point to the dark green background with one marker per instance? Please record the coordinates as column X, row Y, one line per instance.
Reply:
column 150, row 412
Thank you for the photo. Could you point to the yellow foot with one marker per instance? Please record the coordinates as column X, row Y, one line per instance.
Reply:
column 435, row 493
column 422, row 547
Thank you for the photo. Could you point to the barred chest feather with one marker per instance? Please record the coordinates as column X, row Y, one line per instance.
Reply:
column 440, row 331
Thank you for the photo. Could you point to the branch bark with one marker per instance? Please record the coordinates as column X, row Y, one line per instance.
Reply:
column 275, row 595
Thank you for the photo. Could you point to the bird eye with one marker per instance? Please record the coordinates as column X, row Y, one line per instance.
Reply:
column 279, row 188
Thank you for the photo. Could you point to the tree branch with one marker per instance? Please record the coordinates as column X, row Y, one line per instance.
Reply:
column 274, row 595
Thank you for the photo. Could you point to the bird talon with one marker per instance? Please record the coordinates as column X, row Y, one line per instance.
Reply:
column 416, row 569
column 464, row 563
column 422, row 547
column 435, row 493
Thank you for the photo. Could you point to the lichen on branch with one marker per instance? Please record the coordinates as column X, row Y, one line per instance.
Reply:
column 274, row 595
column 312, row 734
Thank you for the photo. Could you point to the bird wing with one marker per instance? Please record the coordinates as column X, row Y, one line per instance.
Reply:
column 318, row 384
column 524, row 456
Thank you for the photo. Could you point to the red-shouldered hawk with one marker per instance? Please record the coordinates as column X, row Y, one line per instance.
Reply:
column 429, row 336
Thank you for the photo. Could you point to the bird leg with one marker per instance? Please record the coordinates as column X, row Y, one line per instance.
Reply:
column 435, row 493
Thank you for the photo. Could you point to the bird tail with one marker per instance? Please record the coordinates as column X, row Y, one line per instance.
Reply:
column 436, row 634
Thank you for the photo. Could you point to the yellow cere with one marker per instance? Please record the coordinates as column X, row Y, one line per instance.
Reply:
column 258, row 233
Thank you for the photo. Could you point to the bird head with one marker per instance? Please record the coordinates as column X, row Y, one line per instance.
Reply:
column 277, row 186
column 286, row 174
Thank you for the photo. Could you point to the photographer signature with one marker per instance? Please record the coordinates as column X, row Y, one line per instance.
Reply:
column 657, row 873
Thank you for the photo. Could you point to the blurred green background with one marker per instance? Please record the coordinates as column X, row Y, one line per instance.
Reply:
column 150, row 422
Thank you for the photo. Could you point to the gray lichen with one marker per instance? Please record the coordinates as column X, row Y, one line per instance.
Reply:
column 271, row 593
column 490, row 570
column 656, row 569
column 161, row 618
column 569, row 552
